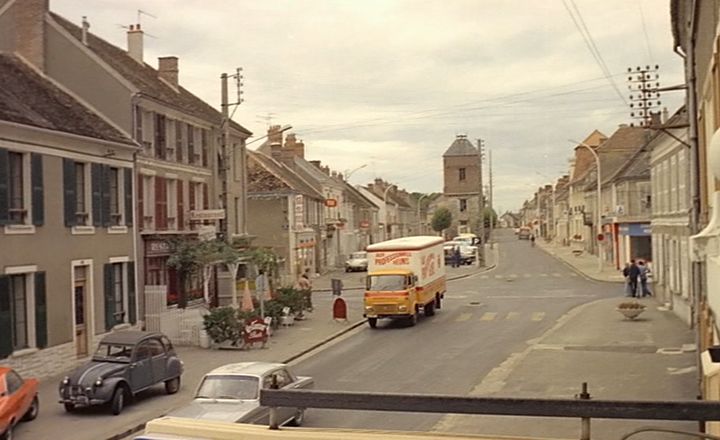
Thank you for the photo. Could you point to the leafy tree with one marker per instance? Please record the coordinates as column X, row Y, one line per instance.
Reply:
column 441, row 220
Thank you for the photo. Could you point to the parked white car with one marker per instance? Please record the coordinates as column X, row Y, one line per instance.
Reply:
column 357, row 262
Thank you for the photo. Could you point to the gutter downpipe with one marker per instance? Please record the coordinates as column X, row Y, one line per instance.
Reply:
column 696, row 270
column 139, row 290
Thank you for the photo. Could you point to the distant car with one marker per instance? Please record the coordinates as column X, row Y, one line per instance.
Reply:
column 516, row 230
column 18, row 401
column 467, row 252
column 124, row 364
column 524, row 233
column 231, row 393
column 357, row 262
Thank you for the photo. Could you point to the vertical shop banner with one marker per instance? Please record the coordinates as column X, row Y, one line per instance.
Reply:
column 299, row 212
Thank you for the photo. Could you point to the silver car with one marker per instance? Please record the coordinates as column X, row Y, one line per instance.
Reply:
column 231, row 393
column 357, row 262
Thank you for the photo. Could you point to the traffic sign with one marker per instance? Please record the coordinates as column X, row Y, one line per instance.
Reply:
column 600, row 237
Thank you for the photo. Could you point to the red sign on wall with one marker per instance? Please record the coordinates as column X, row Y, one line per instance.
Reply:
column 364, row 224
column 330, row 203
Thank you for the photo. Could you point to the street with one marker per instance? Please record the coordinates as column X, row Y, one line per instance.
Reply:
column 498, row 334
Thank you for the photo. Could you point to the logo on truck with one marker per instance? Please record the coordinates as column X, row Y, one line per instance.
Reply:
column 428, row 265
column 399, row 258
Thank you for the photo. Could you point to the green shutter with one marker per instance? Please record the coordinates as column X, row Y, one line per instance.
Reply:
column 5, row 319
column 96, row 179
column 132, row 298
column 41, row 335
column 38, row 198
column 109, row 300
column 4, row 187
column 128, row 181
column 69, row 194
column 105, row 195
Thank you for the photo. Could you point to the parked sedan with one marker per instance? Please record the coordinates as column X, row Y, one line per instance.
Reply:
column 231, row 393
column 18, row 400
column 124, row 364
column 357, row 262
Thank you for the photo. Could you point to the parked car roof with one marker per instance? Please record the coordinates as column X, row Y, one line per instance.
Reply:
column 247, row 368
column 129, row 337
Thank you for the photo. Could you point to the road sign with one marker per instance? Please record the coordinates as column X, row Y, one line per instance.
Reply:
column 600, row 237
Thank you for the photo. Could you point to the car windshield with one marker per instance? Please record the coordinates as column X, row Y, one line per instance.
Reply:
column 386, row 282
column 114, row 352
column 358, row 255
column 228, row 387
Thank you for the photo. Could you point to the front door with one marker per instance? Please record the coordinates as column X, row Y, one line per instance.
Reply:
column 81, row 327
column 141, row 371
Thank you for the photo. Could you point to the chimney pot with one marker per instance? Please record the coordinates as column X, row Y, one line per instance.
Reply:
column 135, row 43
column 85, row 28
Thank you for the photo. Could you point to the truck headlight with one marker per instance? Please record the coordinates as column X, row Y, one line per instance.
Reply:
column 66, row 381
column 99, row 382
column 402, row 307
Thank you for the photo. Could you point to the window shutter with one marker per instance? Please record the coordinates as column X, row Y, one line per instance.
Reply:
column 141, row 206
column 96, row 190
column 105, row 194
column 132, row 299
column 109, row 300
column 69, row 195
column 38, row 198
column 41, row 335
column 180, row 205
column 206, row 198
column 192, row 192
column 127, row 180
column 160, row 203
column 4, row 188
column 5, row 323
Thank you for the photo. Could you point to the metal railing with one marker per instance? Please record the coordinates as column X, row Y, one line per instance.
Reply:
column 581, row 406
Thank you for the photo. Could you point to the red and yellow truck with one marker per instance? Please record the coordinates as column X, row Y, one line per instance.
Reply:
column 406, row 277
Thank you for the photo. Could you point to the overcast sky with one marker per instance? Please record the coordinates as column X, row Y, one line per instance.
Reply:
column 390, row 83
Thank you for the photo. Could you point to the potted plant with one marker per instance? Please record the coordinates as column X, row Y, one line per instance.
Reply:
column 223, row 327
column 630, row 309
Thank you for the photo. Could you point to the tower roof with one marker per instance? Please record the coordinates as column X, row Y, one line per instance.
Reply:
column 461, row 146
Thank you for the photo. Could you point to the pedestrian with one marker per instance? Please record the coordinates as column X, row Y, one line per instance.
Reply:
column 633, row 275
column 626, row 275
column 532, row 240
column 644, row 271
column 456, row 256
column 304, row 285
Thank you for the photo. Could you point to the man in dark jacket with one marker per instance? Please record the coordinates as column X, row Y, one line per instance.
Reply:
column 633, row 274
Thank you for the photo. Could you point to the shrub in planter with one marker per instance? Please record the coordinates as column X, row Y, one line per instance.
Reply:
column 273, row 309
column 222, row 325
column 292, row 298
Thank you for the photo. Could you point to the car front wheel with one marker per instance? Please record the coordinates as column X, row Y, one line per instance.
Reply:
column 118, row 400
column 173, row 385
column 299, row 418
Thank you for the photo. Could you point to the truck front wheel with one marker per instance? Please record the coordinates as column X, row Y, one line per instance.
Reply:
column 438, row 301
column 372, row 322
column 412, row 319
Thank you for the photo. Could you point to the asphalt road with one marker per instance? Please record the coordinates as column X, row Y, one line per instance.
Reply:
column 484, row 320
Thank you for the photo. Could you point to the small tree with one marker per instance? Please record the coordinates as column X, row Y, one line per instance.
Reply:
column 441, row 220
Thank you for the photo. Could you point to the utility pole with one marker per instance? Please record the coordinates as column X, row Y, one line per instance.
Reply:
column 225, row 157
column 481, row 206
column 490, row 196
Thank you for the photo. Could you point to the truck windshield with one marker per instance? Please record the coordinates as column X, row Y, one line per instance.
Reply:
column 386, row 282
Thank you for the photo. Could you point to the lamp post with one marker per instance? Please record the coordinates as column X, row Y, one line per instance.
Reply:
column 350, row 173
column 418, row 212
column 598, row 216
column 386, row 208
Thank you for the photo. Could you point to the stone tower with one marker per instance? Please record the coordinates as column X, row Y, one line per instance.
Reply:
column 460, row 184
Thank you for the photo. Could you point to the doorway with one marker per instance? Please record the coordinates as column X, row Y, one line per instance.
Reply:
column 81, row 310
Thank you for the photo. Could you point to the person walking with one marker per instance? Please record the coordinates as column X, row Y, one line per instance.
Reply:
column 644, row 271
column 633, row 275
column 532, row 240
column 456, row 256
column 626, row 275
column 304, row 285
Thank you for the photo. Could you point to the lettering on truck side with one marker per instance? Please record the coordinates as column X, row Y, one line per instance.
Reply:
column 397, row 258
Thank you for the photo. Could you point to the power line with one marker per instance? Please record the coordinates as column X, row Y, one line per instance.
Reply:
column 590, row 43
column 647, row 37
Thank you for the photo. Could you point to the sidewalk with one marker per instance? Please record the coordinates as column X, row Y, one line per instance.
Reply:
column 649, row 358
column 586, row 264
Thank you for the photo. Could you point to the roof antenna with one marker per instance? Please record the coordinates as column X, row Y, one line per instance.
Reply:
column 140, row 13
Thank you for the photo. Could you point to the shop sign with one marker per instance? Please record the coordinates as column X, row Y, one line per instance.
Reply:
column 207, row 214
column 330, row 203
column 157, row 247
column 299, row 212
column 364, row 224
column 635, row 229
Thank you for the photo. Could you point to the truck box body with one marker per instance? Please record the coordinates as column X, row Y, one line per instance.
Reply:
column 405, row 276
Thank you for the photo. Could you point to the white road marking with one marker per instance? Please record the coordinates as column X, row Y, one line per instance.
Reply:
column 538, row 316
column 463, row 317
column 512, row 315
column 488, row 316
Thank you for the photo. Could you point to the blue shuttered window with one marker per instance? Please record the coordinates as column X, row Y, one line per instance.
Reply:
column 69, row 195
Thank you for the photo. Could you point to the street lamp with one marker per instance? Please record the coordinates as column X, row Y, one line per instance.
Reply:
column 418, row 212
column 386, row 208
column 350, row 173
column 598, row 216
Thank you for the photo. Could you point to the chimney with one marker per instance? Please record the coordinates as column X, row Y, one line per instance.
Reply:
column 135, row 43
column 30, row 31
column 290, row 141
column 168, row 70
column 276, row 151
column 85, row 28
column 665, row 115
column 655, row 119
column 274, row 135
column 300, row 149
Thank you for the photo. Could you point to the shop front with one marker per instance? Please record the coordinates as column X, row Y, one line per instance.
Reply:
column 635, row 241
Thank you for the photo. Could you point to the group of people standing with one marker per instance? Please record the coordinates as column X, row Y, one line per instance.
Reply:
column 636, row 273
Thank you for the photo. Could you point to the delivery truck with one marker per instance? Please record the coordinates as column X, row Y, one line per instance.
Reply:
column 406, row 277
